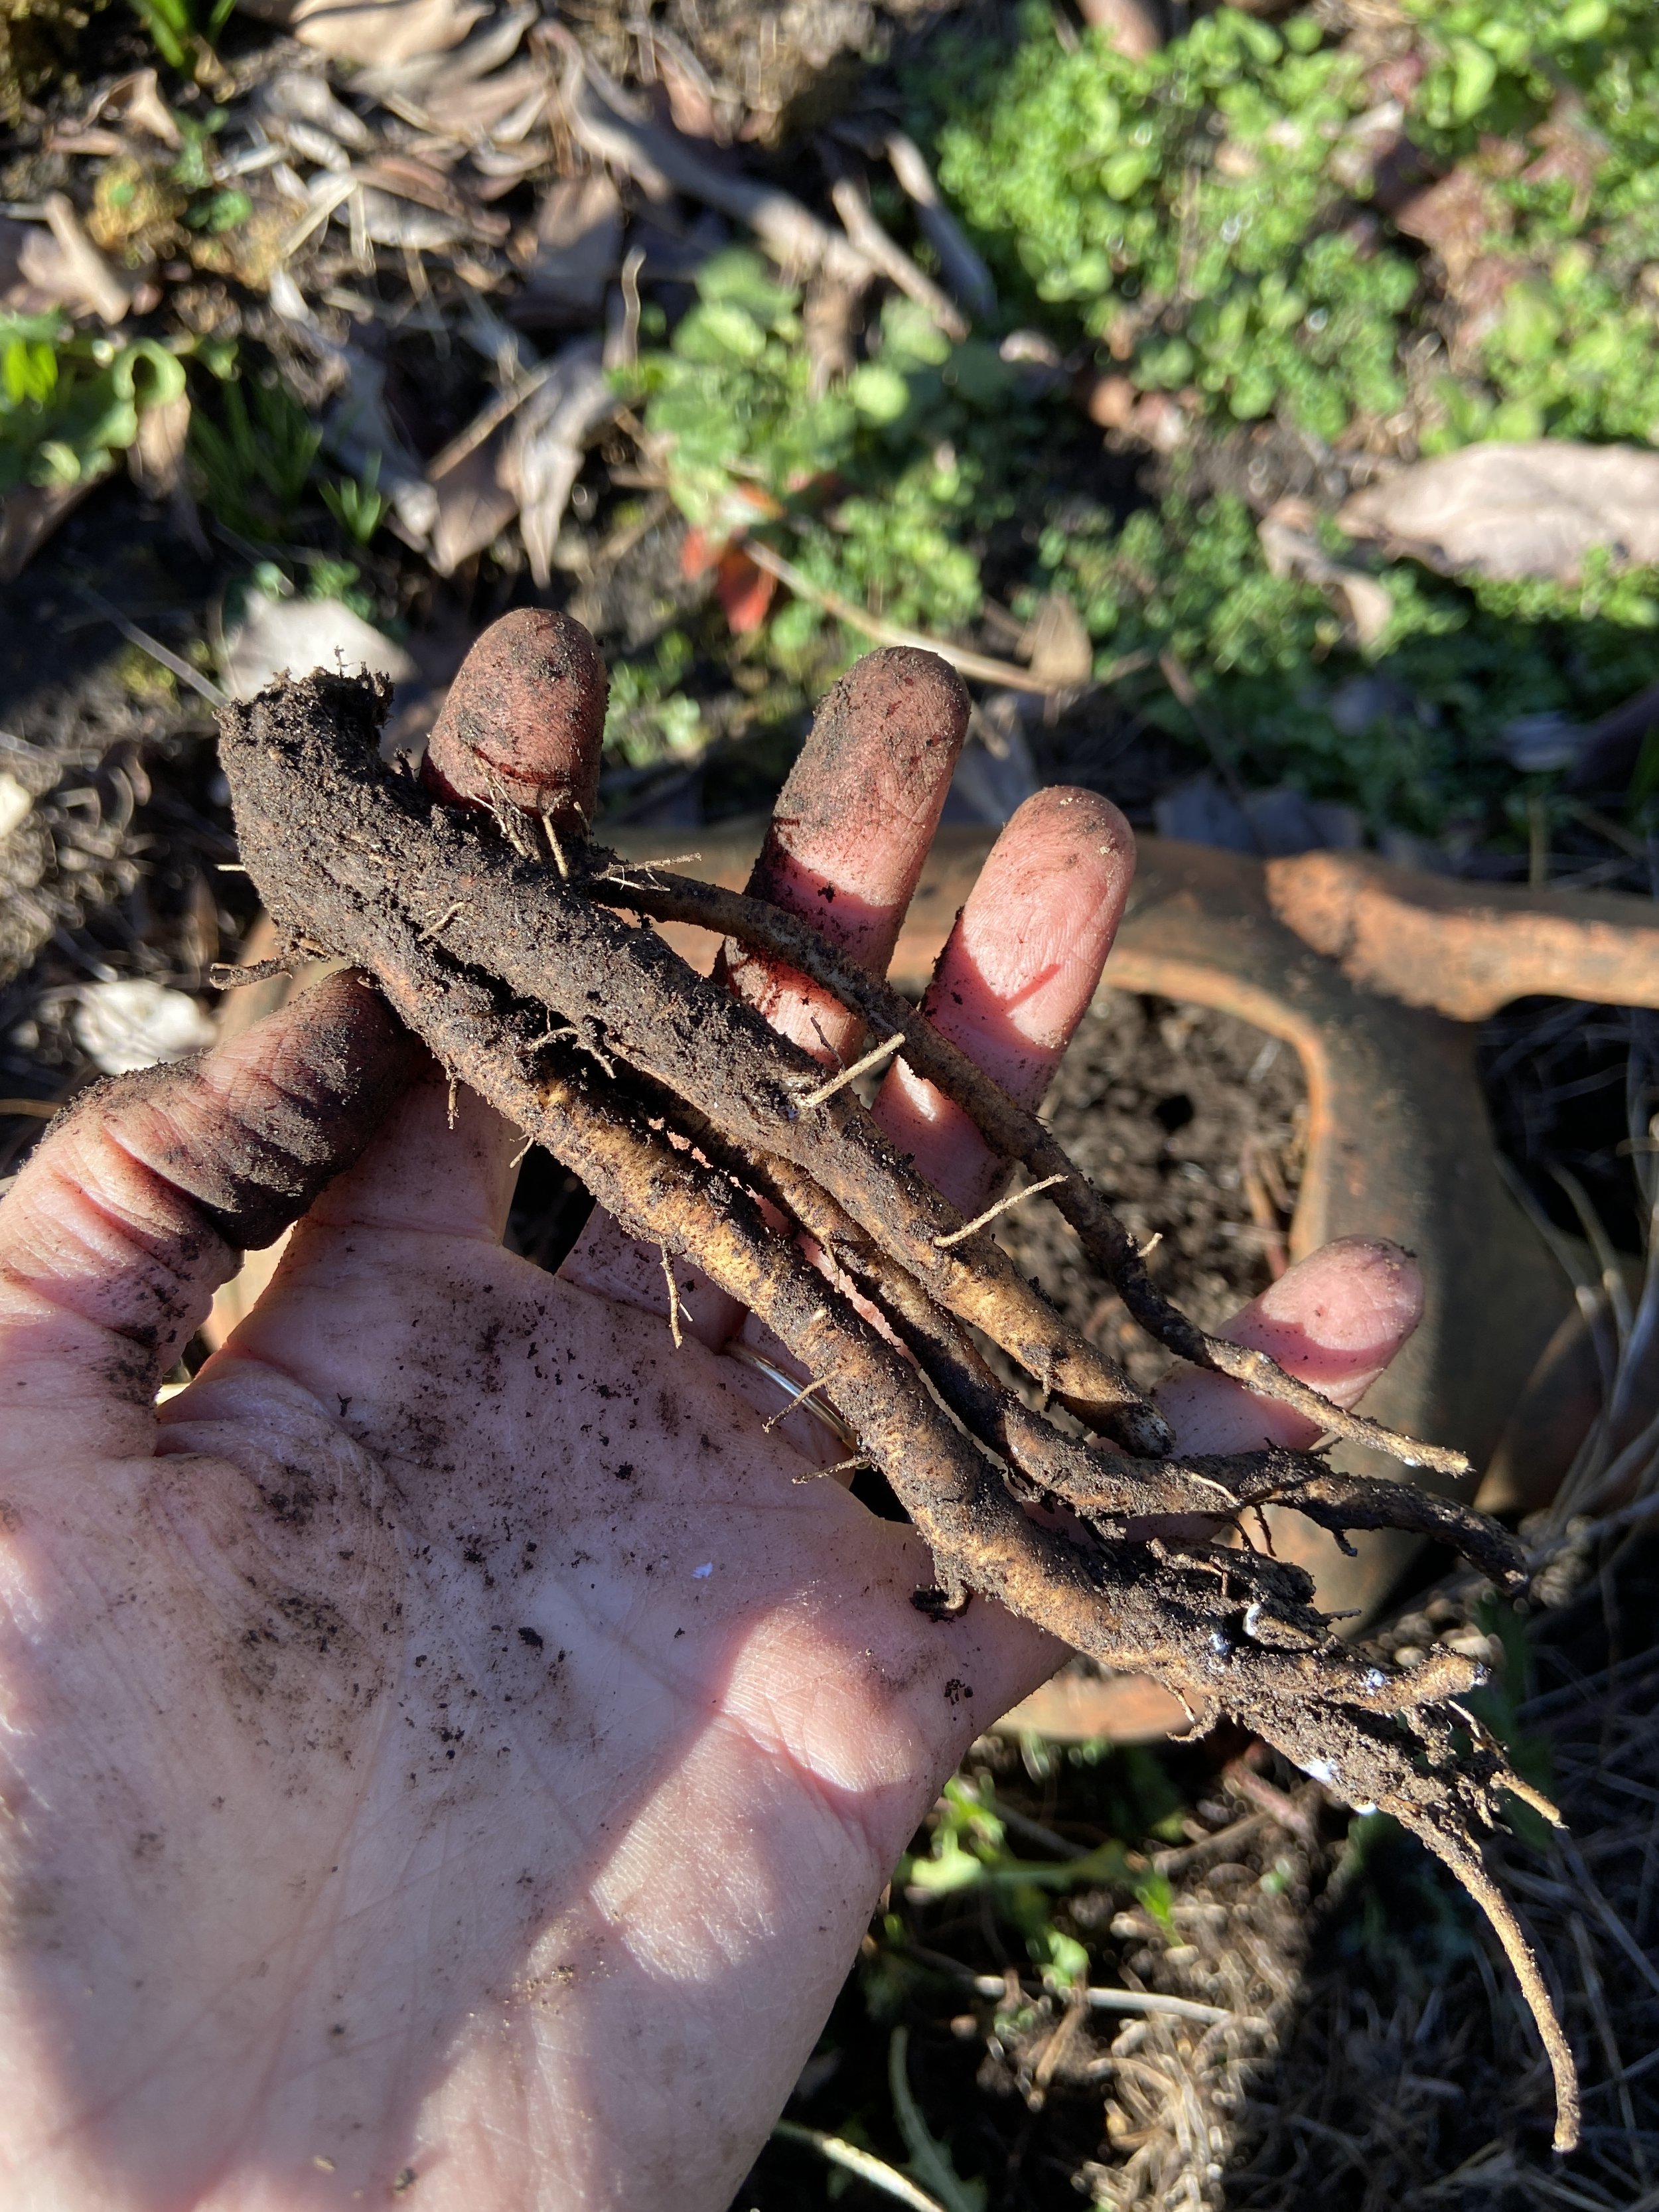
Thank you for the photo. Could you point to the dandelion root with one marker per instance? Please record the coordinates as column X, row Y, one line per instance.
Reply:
column 494, row 936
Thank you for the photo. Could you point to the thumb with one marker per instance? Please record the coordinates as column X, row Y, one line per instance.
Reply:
column 136, row 1207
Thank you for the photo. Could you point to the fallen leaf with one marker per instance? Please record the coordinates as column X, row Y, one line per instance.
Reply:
column 743, row 589
column 474, row 505
column 578, row 248
column 302, row 96
column 547, row 442
column 1458, row 219
column 63, row 261
column 360, row 433
column 27, row 518
column 1570, row 150
column 503, row 107
column 137, row 101
column 384, row 32
column 1514, row 510
column 303, row 634
column 390, row 221
column 486, row 50
column 408, row 179
column 1289, row 550
column 1057, row 644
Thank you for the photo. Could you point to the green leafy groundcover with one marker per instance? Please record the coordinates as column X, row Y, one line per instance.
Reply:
column 70, row 403
column 1207, row 219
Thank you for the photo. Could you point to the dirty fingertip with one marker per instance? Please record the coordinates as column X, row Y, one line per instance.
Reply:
column 858, row 810
column 1356, row 1297
column 524, row 719
column 1336, row 1319
column 1039, row 922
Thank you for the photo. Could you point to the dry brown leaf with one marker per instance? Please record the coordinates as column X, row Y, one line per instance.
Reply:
column 475, row 505
column 546, row 443
column 384, row 32
column 578, row 250
column 1532, row 509
column 27, row 518
column 63, row 263
column 303, row 96
column 1290, row 549
column 504, row 106
column 136, row 101
column 1057, row 645
column 485, row 50
column 1457, row 218
column 155, row 458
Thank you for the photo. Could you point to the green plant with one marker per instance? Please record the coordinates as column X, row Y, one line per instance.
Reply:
column 356, row 503
column 70, row 403
column 183, row 36
column 1205, row 211
column 649, row 718
column 255, row 460
column 968, row 1849
column 1180, row 208
column 883, row 477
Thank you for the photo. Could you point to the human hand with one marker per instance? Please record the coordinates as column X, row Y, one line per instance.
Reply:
column 451, row 1739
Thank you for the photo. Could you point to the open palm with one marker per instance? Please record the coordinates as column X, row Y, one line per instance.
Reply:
column 457, row 1744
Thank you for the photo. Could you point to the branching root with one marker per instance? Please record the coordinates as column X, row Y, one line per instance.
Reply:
column 688, row 1117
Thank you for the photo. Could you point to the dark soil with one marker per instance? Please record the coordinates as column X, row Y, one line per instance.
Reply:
column 1193, row 1120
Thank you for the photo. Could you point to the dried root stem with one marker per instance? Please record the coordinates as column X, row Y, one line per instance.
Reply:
column 1009, row 1128
column 682, row 1112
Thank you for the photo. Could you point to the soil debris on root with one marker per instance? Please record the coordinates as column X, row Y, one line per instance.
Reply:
column 497, row 941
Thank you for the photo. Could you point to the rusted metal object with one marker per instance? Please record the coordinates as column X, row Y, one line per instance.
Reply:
column 1465, row 949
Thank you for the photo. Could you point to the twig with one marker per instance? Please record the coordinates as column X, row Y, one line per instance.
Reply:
column 193, row 676
column 656, row 157
column 673, row 1297
column 1003, row 1206
column 1108, row 2000
column 851, row 203
column 965, row 273
column 979, row 666
column 490, row 417
column 1223, row 1839
column 873, row 1058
